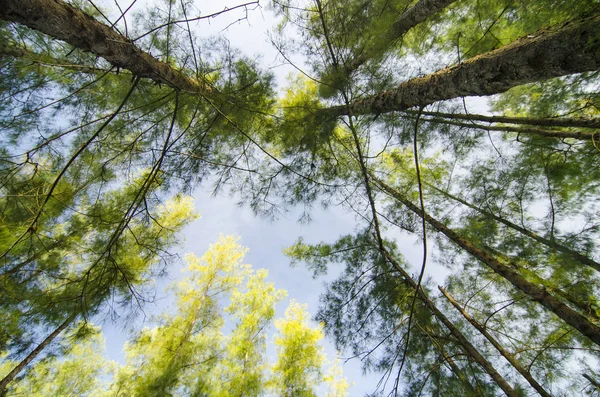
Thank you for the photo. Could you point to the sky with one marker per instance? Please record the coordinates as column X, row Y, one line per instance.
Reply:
column 266, row 239
column 248, row 29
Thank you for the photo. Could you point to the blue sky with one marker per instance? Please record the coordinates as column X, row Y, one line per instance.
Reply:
column 220, row 214
column 265, row 239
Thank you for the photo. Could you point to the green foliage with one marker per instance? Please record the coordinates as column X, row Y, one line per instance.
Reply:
column 202, row 348
column 303, row 127
column 78, row 372
column 493, row 24
column 89, row 153
column 575, row 95
column 298, row 368
column 189, row 353
column 84, row 259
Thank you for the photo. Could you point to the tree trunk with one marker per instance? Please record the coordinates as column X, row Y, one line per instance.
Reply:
column 544, row 122
column 580, row 135
column 550, row 244
column 509, row 357
column 21, row 366
column 418, row 13
column 593, row 381
column 571, row 48
column 407, row 20
column 469, row 349
column 64, row 22
column 535, row 292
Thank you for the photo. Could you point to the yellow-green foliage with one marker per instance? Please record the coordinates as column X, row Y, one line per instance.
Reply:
column 78, row 373
column 303, row 128
column 300, row 357
column 188, row 353
column 400, row 167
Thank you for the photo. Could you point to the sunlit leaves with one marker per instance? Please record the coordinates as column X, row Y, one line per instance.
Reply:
column 300, row 358
column 189, row 351
column 77, row 372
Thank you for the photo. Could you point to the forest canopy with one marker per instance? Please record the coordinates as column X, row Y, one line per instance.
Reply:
column 114, row 113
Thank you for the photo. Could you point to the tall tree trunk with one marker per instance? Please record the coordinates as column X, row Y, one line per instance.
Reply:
column 589, row 308
column 418, row 13
column 21, row 366
column 509, row 357
column 549, row 243
column 537, row 121
column 469, row 349
column 65, row 22
column 571, row 48
column 535, row 292
column 593, row 381
column 581, row 135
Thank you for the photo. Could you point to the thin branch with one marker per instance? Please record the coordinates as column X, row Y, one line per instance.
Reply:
column 33, row 223
column 226, row 9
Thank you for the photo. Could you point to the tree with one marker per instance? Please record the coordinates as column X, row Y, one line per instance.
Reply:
column 67, row 23
column 511, row 210
column 189, row 352
column 96, row 270
column 536, row 166
column 369, row 302
column 75, row 241
column 494, row 72
column 76, row 372
column 299, row 360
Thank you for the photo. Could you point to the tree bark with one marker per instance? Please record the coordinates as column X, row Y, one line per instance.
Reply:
column 469, row 349
column 21, row 366
column 535, row 292
column 509, row 357
column 537, row 121
column 65, row 22
column 571, row 48
column 418, row 13
column 580, row 135
column 594, row 382
column 550, row 244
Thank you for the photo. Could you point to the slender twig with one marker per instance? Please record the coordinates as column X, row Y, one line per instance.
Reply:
column 187, row 20
column 32, row 225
